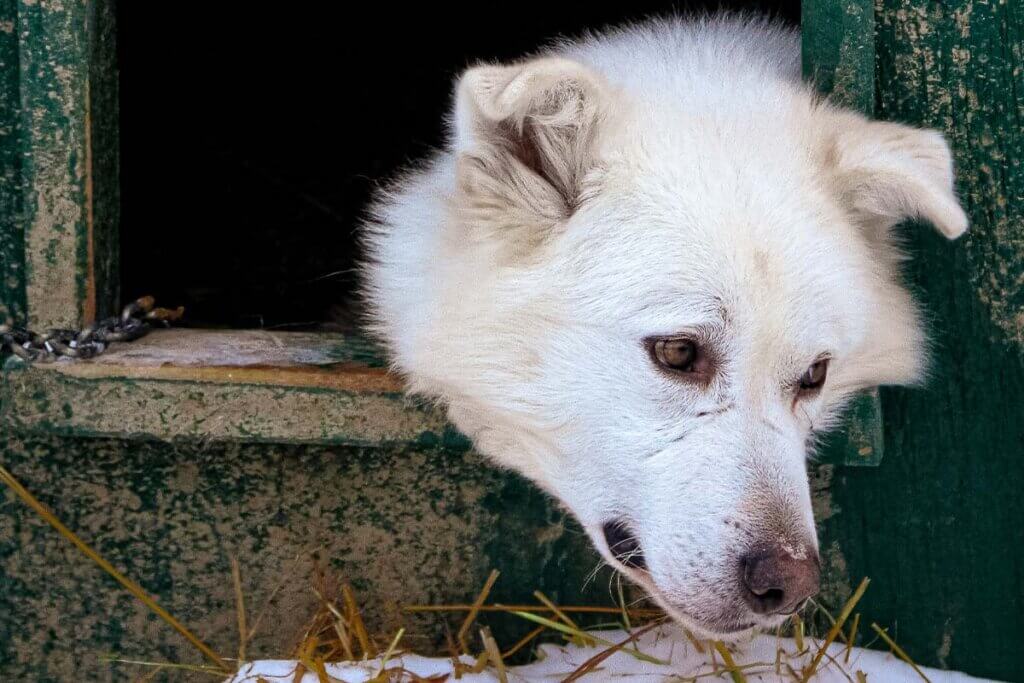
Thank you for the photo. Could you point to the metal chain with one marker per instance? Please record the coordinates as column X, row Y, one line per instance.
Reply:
column 136, row 320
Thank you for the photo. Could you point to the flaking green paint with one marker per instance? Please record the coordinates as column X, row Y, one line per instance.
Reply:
column 839, row 58
column 839, row 50
column 43, row 400
column 59, row 160
column 52, row 87
column 12, row 238
column 403, row 525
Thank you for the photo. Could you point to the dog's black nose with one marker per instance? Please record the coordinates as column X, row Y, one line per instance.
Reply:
column 624, row 545
column 775, row 582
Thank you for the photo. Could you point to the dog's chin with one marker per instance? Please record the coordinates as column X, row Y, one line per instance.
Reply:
column 724, row 628
column 719, row 630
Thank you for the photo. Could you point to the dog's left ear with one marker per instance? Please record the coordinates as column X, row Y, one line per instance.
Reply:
column 887, row 172
column 525, row 137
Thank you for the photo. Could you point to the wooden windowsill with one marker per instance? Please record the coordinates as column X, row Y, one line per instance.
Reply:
column 292, row 359
column 280, row 387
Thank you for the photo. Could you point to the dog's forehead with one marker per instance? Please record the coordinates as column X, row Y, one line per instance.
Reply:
column 712, row 239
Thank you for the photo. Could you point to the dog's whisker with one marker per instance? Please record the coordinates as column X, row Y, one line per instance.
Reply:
column 615, row 573
column 642, row 599
column 592, row 576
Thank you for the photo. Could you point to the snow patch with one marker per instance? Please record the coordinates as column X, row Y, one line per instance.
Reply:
column 757, row 656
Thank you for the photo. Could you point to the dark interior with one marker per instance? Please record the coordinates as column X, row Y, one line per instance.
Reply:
column 252, row 137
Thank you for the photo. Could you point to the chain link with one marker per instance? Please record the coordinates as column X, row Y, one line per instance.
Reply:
column 136, row 320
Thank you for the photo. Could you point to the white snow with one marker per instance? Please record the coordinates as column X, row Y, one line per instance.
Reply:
column 668, row 644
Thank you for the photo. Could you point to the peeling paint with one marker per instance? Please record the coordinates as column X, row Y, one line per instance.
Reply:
column 403, row 526
column 45, row 400
column 820, row 477
column 945, row 647
column 835, row 576
column 839, row 53
column 57, row 181
column 12, row 242
column 979, row 101
column 52, row 77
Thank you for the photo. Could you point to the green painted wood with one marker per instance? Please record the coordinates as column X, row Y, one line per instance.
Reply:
column 104, row 201
column 839, row 50
column 839, row 58
column 860, row 441
column 61, row 151
column 250, row 386
column 939, row 526
column 12, row 237
column 44, row 400
column 402, row 525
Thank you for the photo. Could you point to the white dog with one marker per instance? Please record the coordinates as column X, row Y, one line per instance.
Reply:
column 648, row 268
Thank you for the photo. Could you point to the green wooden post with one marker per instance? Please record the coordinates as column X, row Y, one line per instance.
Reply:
column 839, row 50
column 12, row 234
column 839, row 58
column 58, row 150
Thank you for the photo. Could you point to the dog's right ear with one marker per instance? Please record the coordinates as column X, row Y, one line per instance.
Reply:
column 525, row 137
column 888, row 172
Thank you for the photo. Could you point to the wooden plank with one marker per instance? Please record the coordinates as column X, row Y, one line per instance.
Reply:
column 839, row 50
column 184, row 347
column 242, row 385
column 68, row 159
column 340, row 406
column 12, row 237
column 103, row 186
column 839, row 57
column 243, row 357
column 937, row 526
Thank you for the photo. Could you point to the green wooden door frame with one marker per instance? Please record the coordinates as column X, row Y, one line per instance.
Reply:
column 839, row 58
column 939, row 525
column 59, row 178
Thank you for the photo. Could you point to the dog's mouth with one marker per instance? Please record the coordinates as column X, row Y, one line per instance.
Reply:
column 627, row 554
column 722, row 628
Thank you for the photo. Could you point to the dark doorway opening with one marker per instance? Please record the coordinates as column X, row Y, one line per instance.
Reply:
column 252, row 137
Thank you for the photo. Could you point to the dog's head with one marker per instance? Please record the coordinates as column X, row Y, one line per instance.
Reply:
column 650, row 310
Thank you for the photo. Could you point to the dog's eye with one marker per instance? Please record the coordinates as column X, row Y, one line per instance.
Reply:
column 814, row 378
column 675, row 354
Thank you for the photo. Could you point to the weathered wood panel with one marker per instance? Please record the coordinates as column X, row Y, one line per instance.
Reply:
column 58, row 240
column 839, row 50
column 257, row 386
column 255, row 405
column 12, row 234
column 839, row 58
column 939, row 526
column 403, row 525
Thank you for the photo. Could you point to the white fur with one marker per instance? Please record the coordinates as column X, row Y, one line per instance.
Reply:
column 669, row 178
